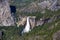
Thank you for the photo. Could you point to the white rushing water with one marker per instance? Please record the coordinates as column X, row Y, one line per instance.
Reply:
column 27, row 27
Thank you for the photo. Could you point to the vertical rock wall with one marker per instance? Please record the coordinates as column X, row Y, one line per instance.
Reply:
column 5, row 15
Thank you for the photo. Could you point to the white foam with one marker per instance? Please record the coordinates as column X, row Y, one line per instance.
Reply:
column 27, row 27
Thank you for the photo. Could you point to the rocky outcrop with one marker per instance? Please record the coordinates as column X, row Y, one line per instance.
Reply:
column 5, row 15
column 41, row 5
column 32, row 21
column 30, row 8
column 23, row 20
column 55, row 5
column 27, row 27
column 40, row 22
column 35, row 6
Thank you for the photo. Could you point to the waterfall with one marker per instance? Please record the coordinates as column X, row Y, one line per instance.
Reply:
column 27, row 27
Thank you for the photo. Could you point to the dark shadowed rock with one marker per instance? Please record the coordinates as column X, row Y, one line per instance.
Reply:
column 1, row 34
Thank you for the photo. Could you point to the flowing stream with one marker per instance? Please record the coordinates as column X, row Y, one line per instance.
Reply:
column 27, row 27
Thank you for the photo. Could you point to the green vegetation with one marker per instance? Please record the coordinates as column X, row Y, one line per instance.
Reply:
column 43, row 32
column 12, row 33
column 23, row 2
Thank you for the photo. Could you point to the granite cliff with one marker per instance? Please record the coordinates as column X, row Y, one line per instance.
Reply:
column 5, row 14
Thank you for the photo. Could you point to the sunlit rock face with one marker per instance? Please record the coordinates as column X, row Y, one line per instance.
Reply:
column 5, row 16
column 21, row 21
column 27, row 27
column 32, row 21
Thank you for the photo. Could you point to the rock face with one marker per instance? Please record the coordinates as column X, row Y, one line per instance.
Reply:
column 30, row 8
column 32, row 21
column 40, row 22
column 44, row 4
column 41, row 5
column 5, row 16
column 21, row 21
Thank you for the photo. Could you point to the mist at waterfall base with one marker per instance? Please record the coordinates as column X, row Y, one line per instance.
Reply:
column 27, row 27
